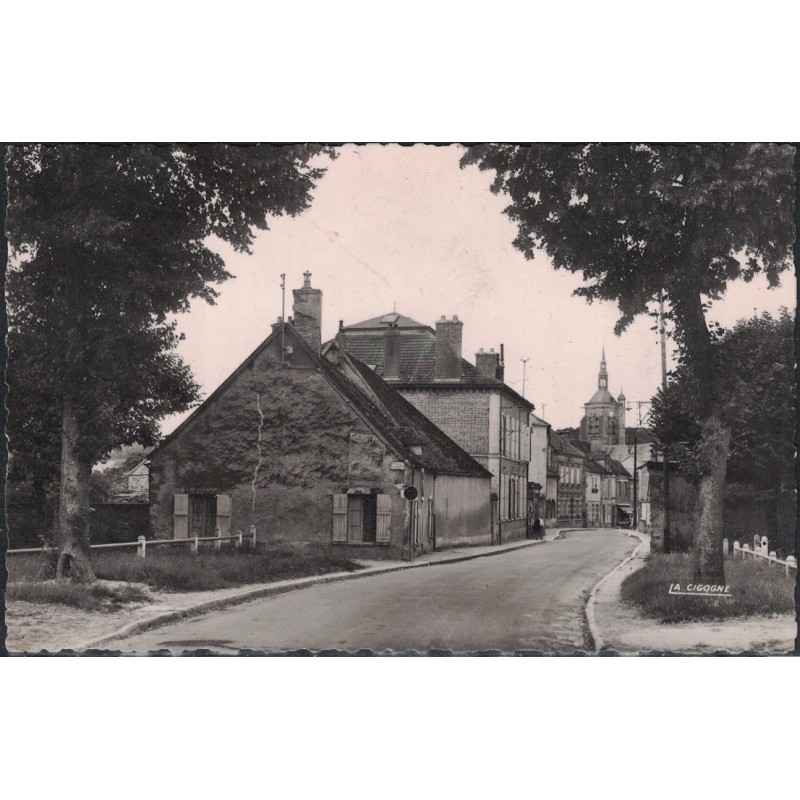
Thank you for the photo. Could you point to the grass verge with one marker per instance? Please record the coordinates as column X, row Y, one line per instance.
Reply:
column 183, row 571
column 89, row 597
column 756, row 588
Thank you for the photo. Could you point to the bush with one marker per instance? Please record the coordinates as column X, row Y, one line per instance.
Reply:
column 756, row 588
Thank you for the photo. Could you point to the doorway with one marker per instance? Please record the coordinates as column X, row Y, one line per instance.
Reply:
column 362, row 518
column 202, row 514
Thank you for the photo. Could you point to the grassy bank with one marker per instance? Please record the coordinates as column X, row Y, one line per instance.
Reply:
column 93, row 597
column 756, row 588
column 183, row 571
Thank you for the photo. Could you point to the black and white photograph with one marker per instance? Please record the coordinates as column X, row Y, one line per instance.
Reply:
column 401, row 398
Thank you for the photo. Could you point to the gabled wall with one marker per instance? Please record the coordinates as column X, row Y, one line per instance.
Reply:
column 279, row 441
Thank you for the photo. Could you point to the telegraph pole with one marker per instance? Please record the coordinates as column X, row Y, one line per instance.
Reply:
column 662, row 332
column 524, row 365
column 283, row 317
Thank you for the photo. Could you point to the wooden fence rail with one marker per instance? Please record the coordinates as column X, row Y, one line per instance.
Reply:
column 142, row 544
column 760, row 549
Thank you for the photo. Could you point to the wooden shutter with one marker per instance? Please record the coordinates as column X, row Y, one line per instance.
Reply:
column 224, row 514
column 383, row 532
column 340, row 518
column 180, row 516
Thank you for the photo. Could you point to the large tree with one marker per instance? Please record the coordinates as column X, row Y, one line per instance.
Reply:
column 758, row 387
column 640, row 221
column 108, row 243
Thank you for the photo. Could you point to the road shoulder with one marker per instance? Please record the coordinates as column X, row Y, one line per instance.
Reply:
column 622, row 628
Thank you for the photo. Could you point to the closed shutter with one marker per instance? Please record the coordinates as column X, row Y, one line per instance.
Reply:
column 383, row 532
column 180, row 516
column 340, row 518
column 224, row 514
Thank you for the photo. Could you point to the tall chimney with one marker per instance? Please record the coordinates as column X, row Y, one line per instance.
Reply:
column 392, row 341
column 501, row 367
column 487, row 363
column 341, row 336
column 307, row 310
column 448, row 349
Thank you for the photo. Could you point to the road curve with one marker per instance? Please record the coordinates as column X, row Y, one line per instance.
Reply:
column 531, row 598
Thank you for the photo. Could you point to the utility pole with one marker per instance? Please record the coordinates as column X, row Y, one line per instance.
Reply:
column 662, row 332
column 524, row 365
column 283, row 318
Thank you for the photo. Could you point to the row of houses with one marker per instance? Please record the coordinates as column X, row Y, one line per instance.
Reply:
column 384, row 437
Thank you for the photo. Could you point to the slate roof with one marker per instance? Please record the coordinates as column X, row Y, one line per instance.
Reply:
column 417, row 358
column 439, row 451
column 389, row 414
column 381, row 323
column 562, row 445
column 602, row 396
column 616, row 468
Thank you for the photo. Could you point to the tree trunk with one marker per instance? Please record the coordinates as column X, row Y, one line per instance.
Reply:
column 709, row 564
column 74, row 557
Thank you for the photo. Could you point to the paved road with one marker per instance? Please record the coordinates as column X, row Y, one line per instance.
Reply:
column 523, row 599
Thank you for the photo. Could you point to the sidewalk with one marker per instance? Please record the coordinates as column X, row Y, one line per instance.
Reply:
column 622, row 628
column 33, row 627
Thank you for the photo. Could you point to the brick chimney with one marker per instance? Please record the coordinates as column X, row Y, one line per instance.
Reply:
column 307, row 310
column 341, row 336
column 448, row 349
column 487, row 363
column 392, row 343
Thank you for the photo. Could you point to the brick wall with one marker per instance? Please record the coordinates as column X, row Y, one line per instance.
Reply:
column 462, row 415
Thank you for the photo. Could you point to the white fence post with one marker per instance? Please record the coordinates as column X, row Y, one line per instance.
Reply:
column 725, row 550
column 217, row 533
column 239, row 540
column 745, row 550
column 756, row 542
column 736, row 548
column 764, row 546
column 773, row 557
column 253, row 534
column 141, row 550
column 195, row 545
column 791, row 561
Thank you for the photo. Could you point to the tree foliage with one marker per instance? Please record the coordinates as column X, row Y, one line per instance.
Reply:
column 107, row 244
column 639, row 220
column 759, row 387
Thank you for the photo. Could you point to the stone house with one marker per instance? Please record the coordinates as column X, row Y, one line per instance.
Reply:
column 316, row 449
column 470, row 403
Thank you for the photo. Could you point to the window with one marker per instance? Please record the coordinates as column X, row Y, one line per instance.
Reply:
column 594, row 425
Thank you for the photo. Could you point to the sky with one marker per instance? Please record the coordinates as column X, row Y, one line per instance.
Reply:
column 407, row 228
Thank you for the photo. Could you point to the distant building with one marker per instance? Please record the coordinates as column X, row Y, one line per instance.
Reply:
column 568, row 461
column 603, row 423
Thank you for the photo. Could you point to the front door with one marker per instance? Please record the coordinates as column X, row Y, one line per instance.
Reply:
column 355, row 518
column 202, row 514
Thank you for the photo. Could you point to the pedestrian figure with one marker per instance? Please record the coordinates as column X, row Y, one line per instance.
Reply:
column 538, row 530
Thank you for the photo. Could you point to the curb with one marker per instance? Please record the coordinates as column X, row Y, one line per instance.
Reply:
column 596, row 642
column 132, row 628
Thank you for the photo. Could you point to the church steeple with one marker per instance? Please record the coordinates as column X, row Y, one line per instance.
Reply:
column 602, row 377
